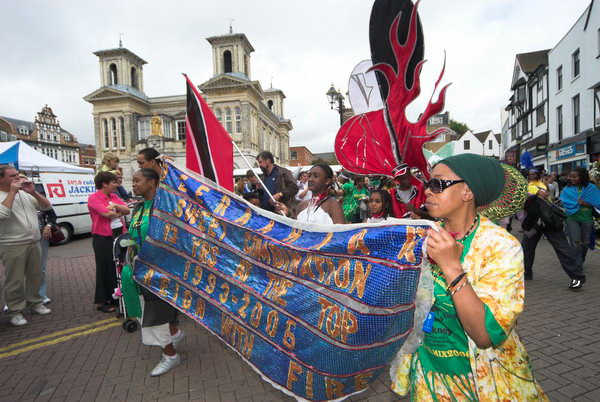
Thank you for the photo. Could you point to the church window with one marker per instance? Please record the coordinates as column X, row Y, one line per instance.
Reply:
column 270, row 104
column 112, row 74
column 122, row 129
column 227, row 62
column 106, row 136
column 238, row 120
column 134, row 78
column 181, row 130
column 115, row 137
column 228, row 123
column 218, row 114
column 144, row 129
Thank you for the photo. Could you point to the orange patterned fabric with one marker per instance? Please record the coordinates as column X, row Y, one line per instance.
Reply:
column 494, row 265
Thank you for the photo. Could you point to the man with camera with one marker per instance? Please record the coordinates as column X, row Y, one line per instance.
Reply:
column 20, row 251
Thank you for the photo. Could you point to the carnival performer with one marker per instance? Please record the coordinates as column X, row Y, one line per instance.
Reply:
column 380, row 206
column 361, row 197
column 349, row 205
column 580, row 198
column 543, row 219
column 321, row 208
column 149, row 158
column 155, row 315
column 408, row 194
column 106, row 211
column 536, row 186
column 473, row 351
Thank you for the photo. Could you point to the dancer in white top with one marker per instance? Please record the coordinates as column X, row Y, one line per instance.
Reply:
column 321, row 208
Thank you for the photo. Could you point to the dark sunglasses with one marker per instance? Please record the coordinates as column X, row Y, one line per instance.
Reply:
column 438, row 185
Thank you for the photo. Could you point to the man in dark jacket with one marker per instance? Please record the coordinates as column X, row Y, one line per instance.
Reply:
column 544, row 219
column 279, row 181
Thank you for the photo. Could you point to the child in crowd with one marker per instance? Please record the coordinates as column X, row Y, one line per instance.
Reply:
column 380, row 206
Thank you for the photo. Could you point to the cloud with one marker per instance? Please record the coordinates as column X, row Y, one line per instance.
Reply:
column 305, row 46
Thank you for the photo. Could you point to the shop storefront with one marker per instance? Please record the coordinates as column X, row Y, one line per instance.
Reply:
column 567, row 157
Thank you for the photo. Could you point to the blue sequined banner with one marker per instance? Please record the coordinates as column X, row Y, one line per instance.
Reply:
column 318, row 311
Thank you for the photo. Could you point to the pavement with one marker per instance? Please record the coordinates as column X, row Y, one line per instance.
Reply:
column 79, row 354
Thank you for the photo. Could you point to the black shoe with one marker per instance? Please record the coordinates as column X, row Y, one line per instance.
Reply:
column 576, row 284
column 528, row 277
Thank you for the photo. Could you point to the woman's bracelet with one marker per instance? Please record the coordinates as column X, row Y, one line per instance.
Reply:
column 455, row 281
column 460, row 287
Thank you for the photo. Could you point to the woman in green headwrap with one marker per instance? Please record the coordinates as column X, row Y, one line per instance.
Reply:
column 472, row 350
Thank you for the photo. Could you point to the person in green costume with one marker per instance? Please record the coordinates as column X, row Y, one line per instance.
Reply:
column 471, row 350
column 155, row 315
column 349, row 205
column 361, row 197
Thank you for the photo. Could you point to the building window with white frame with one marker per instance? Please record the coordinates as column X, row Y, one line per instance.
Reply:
column 115, row 134
column 106, row 134
column 228, row 122
column 122, row 130
column 218, row 114
column 143, row 129
column 167, row 128
column 540, row 115
column 576, row 115
column 576, row 63
column 559, row 122
column 467, row 145
column 559, row 78
column 490, row 144
column 180, row 130
column 238, row 120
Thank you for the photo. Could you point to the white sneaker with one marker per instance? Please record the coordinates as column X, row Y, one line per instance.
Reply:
column 41, row 310
column 46, row 300
column 5, row 308
column 166, row 363
column 178, row 338
column 18, row 320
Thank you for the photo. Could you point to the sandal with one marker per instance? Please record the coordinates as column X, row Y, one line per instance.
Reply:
column 106, row 308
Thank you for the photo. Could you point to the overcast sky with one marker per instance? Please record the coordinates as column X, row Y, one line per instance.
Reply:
column 47, row 46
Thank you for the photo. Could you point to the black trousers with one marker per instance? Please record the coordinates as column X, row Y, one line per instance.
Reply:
column 565, row 253
column 106, row 276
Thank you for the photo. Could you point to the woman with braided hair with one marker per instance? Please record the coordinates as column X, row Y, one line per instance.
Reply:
column 155, row 315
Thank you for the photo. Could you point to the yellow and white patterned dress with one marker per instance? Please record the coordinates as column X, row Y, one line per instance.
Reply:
column 494, row 265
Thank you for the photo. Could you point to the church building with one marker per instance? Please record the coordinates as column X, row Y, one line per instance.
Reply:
column 127, row 120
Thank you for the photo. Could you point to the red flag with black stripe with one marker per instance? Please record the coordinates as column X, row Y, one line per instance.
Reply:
column 208, row 148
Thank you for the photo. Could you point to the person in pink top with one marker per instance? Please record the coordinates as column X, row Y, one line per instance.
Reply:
column 107, row 211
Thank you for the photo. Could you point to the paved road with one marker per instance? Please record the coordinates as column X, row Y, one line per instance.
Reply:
column 77, row 353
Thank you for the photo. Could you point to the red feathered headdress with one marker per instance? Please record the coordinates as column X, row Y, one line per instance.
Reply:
column 375, row 143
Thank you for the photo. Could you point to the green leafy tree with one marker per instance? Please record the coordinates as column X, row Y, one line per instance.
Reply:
column 459, row 127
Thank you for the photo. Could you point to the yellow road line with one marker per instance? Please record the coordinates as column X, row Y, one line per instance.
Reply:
column 58, row 340
column 57, row 333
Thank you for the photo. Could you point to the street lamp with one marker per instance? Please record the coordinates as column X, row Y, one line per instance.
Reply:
column 335, row 97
